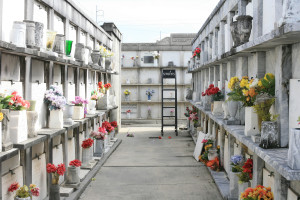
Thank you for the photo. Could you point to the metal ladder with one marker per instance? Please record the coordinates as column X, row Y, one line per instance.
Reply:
column 168, row 74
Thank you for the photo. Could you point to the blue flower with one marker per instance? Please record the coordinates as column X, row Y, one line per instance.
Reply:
column 236, row 159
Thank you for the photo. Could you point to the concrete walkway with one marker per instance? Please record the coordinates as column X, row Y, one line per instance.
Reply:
column 143, row 168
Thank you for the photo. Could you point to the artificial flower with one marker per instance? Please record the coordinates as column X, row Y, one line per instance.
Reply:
column 1, row 116
column 79, row 101
column 87, row 143
column 51, row 168
column 35, row 191
column 54, row 98
column 114, row 124
column 13, row 187
column 75, row 163
column 61, row 169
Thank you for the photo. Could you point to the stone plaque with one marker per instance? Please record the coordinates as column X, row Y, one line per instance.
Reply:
column 292, row 195
column 8, row 179
column 199, row 145
column 37, row 71
column 268, row 181
column 294, row 107
column 71, row 77
column 81, row 76
column 71, row 149
column 58, row 158
column 71, row 92
column 11, row 163
column 40, row 106
column 38, row 149
column 39, row 175
column 10, row 67
column 82, row 90
column 57, row 74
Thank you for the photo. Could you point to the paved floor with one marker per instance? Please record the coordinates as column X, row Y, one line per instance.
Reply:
column 144, row 168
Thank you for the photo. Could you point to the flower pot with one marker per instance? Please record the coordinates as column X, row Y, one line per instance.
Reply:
column 30, row 29
column 59, row 44
column 68, row 48
column 128, row 115
column 73, row 175
column 54, row 192
column 18, row 34
column 232, row 108
column 212, row 154
column 225, row 110
column 269, row 135
column 99, row 148
column 294, row 149
column 32, row 117
column 79, row 52
column 106, row 142
column 18, row 126
column 234, row 181
column 251, row 122
column 242, row 187
column 86, row 157
column 50, row 39
column 56, row 119
column 68, row 113
column 78, row 113
column 217, row 108
column 39, row 34
column 244, row 27
column 92, row 106
column 32, row 105
column 235, row 33
column 6, row 141
column 102, row 103
column 149, row 97
column 18, row 198
column 95, row 58
column 112, row 135
column 108, row 62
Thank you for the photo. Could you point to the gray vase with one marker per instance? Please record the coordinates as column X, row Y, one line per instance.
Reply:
column 235, row 33
column 95, row 55
column 73, row 175
column 269, row 135
column 99, row 148
column 225, row 109
column 30, row 33
column 39, row 34
column 54, row 192
column 232, row 108
column 244, row 27
column 59, row 44
column 79, row 52
column 32, row 117
column 86, row 157
column 108, row 62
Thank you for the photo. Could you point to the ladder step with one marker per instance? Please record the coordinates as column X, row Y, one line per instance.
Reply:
column 169, row 98
column 168, row 116
column 169, row 124
column 169, row 89
column 169, row 107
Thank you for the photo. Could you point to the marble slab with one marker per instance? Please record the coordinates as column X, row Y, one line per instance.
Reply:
column 8, row 179
column 291, row 195
column 58, row 158
column 37, row 72
column 71, row 149
column 83, row 173
column 40, row 106
column 226, row 155
column 39, row 175
column 10, row 67
column 10, row 164
column 268, row 179
column 294, row 108
column 65, row 192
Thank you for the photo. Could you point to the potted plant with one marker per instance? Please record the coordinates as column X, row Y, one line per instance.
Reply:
column 86, row 152
column 78, row 112
column 208, row 144
column 128, row 113
column 92, row 103
column 110, row 131
column 246, row 175
column 103, row 89
column 56, row 103
column 99, row 137
column 236, row 169
column 149, row 93
column 24, row 193
column 73, row 172
column 258, row 193
column 18, row 118
column 127, row 93
column 217, row 97
column 56, row 172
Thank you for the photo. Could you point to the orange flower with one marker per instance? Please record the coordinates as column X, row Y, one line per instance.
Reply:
column 252, row 92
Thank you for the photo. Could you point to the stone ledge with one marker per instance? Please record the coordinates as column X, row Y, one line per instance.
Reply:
column 74, row 125
column 276, row 158
column 30, row 142
column 51, row 132
column 8, row 154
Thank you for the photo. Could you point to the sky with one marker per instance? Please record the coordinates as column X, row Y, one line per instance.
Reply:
column 150, row 20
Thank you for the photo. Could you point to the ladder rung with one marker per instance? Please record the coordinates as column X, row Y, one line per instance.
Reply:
column 169, row 124
column 169, row 98
column 169, row 89
column 168, row 116
column 169, row 107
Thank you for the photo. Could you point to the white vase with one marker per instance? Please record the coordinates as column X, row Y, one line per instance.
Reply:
column 212, row 154
column 18, row 34
column 32, row 117
column 242, row 187
column 99, row 148
column 56, row 119
column 78, row 113
column 128, row 115
column 86, row 157
column 218, row 110
column 234, row 181
column 68, row 113
column 232, row 108
column 18, row 126
column 92, row 106
column 18, row 198
column 294, row 149
column 225, row 110
column 73, row 175
column 251, row 122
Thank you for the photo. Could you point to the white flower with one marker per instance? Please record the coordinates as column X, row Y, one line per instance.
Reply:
column 254, row 83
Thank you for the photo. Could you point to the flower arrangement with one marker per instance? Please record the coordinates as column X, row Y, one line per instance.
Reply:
column 214, row 164
column 103, row 87
column 100, row 134
column 132, row 58
column 247, row 173
column 54, row 98
column 150, row 92
column 213, row 91
column 5, row 100
column 1, row 116
column 94, row 97
column 75, row 163
column 114, row 124
column 236, row 162
column 56, row 171
column 172, row 111
column 156, row 55
column 79, row 101
column 87, row 143
column 127, row 92
column 193, row 117
column 207, row 143
column 128, row 111
column 197, row 52
column 258, row 193
column 17, row 102
column 105, row 52
column 24, row 192
column 106, row 125
column 194, row 110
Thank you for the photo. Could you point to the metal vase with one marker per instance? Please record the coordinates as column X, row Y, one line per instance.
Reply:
column 54, row 192
column 232, row 108
column 59, row 44
column 99, row 148
column 39, row 34
column 30, row 33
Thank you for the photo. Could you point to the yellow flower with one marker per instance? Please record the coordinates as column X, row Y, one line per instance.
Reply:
column 260, row 83
column 245, row 92
column 32, row 186
column 245, row 77
column 244, row 83
column 1, row 116
column 270, row 75
column 232, row 82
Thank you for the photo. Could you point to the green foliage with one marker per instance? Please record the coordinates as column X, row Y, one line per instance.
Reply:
column 244, row 177
column 268, row 84
column 23, row 192
column 237, row 168
column 4, row 101
column 263, row 110
column 218, row 96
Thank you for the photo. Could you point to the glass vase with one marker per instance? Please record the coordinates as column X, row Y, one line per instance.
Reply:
column 68, row 47
column 50, row 39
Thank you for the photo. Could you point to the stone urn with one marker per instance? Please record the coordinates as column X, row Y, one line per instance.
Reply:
column 73, row 175
column 235, row 33
column 102, row 62
column 30, row 33
column 6, row 141
column 95, row 59
column 54, row 192
column 18, row 126
column 79, row 52
column 99, row 148
column 68, row 113
column 269, row 135
column 225, row 110
column 102, row 103
column 59, row 44
column 18, row 34
column 88, row 51
column 232, row 108
column 244, row 27
column 108, row 61
column 39, row 34
column 32, row 117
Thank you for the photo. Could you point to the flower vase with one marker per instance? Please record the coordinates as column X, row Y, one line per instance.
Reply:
column 225, row 110
column 269, row 135
column 18, row 34
column 86, row 157
column 95, row 59
column 68, row 48
column 217, row 108
column 56, row 119
column 112, row 135
column 99, row 148
column 244, row 24
column 128, row 115
column 102, row 103
column 59, row 44
column 26, row 198
column 68, row 113
column 235, row 33
column 127, row 97
column 78, row 113
column 251, row 122
column 50, row 39
column 234, row 181
column 92, row 106
column 108, row 62
column 39, row 34
column 106, row 141
column 73, row 175
column 6, row 141
column 30, row 29
column 294, row 149
column 79, row 52
column 149, row 97
column 232, row 108
column 32, row 117
column 54, row 192
column 18, row 126
column 207, row 104
column 242, row 187
column 212, row 154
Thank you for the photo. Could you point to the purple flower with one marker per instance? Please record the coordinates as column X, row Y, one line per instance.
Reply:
column 79, row 101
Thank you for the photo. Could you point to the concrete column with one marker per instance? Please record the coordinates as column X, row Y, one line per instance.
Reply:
column 229, row 20
column 210, row 46
column 206, row 49
column 78, row 34
column 27, row 92
column 223, row 74
column 231, row 140
column 28, row 10
column 221, row 42
column 257, row 23
column 67, row 27
column 215, row 44
column 216, row 75
column 51, row 19
column 258, row 165
column 211, row 75
column 259, row 64
column 50, row 78
column 222, row 144
column 242, row 7
column 242, row 67
column 1, row 22
column 231, row 69
column 280, row 187
column 283, row 72
column 202, row 57
column 65, row 81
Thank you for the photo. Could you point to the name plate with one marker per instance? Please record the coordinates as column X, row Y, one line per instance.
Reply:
column 171, row 73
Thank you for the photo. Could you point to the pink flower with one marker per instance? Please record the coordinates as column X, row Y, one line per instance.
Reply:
column 204, row 141
column 35, row 191
column 14, row 186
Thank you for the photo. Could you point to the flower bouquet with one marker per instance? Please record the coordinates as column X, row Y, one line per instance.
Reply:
column 100, row 137
column 56, row 104
column 102, row 103
column 149, row 93
column 236, row 162
column 24, row 193
column 78, row 112
column 56, row 171
column 216, row 97
column 73, row 172
column 127, row 93
column 86, row 152
column 258, row 193
column 111, row 131
column 128, row 112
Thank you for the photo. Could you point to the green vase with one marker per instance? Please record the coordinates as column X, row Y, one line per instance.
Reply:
column 68, row 47
column 32, row 105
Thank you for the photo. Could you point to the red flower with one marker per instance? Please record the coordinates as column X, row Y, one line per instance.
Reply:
column 114, row 124
column 35, row 191
column 110, row 128
column 159, row 137
column 51, row 168
column 107, row 85
column 105, row 124
column 75, row 163
column 14, row 186
column 61, row 169
column 170, row 137
column 87, row 143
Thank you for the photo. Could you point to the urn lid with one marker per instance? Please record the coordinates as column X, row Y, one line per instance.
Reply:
column 29, row 23
column 81, row 45
column 18, row 24
column 40, row 24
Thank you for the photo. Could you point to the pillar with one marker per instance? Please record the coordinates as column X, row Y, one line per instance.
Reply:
column 258, row 165
column 229, row 20
column 257, row 23
column 221, row 41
